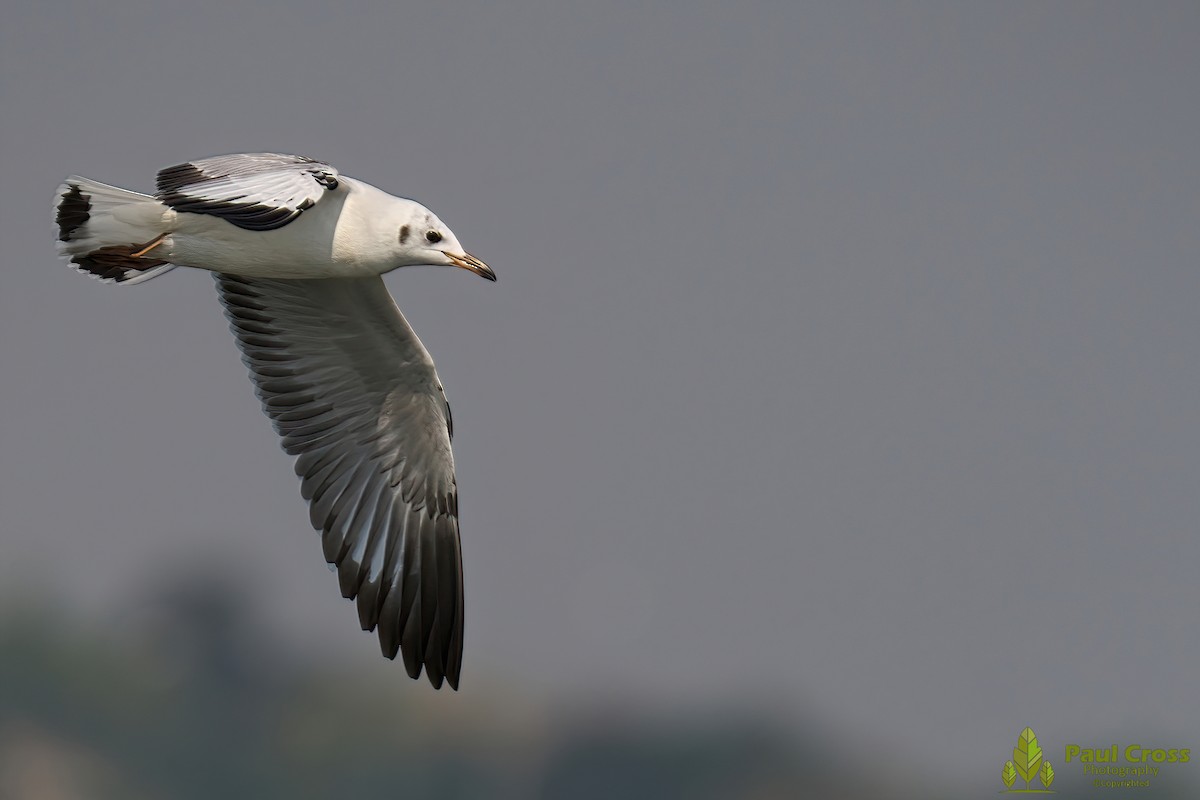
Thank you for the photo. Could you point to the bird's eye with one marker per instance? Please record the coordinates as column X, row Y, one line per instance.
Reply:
column 433, row 237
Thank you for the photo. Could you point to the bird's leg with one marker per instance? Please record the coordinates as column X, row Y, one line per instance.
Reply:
column 149, row 247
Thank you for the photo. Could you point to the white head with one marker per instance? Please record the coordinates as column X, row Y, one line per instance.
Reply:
column 422, row 238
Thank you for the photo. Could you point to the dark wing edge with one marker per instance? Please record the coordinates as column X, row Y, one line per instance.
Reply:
column 254, row 191
column 372, row 452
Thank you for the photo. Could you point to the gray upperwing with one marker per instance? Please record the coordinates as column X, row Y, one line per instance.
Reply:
column 255, row 191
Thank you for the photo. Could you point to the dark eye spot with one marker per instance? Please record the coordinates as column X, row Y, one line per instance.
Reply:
column 403, row 234
column 433, row 237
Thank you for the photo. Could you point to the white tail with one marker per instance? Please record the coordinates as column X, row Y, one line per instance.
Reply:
column 108, row 232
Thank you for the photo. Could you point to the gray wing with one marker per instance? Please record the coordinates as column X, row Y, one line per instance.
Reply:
column 255, row 191
column 354, row 394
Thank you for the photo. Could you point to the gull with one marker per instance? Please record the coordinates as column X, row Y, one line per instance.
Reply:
column 297, row 251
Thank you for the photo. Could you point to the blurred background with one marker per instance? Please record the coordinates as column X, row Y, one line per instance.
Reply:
column 832, row 420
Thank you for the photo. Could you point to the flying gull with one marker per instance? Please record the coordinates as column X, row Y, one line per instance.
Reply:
column 297, row 251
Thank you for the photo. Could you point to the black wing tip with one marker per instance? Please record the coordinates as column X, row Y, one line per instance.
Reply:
column 441, row 662
column 325, row 178
column 436, row 676
column 429, row 642
column 173, row 178
column 434, row 672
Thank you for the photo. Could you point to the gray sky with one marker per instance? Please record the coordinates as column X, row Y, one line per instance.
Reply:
column 841, row 355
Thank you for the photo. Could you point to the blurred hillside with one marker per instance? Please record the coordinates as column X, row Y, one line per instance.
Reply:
column 192, row 701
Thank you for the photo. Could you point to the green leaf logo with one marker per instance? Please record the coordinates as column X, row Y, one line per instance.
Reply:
column 1047, row 774
column 1027, row 756
column 1008, row 774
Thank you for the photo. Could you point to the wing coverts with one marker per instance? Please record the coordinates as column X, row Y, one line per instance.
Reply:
column 255, row 191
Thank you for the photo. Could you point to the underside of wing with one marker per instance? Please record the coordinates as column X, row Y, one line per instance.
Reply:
column 355, row 397
column 255, row 191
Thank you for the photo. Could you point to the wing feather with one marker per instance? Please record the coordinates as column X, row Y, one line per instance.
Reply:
column 355, row 397
column 255, row 191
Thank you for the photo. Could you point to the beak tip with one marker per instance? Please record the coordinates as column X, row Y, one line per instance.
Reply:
column 472, row 264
